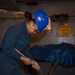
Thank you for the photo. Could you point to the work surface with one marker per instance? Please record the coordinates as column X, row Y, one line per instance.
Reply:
column 62, row 53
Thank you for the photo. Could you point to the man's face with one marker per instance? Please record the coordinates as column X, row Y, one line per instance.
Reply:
column 31, row 27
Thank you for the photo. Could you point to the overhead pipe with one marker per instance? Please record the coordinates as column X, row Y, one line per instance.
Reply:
column 18, row 17
column 28, row 2
column 31, row 2
column 53, row 17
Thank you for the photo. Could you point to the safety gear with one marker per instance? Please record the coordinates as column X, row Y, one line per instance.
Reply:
column 41, row 19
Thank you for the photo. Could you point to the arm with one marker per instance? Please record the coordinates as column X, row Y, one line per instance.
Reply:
column 9, row 43
column 27, row 53
column 28, row 61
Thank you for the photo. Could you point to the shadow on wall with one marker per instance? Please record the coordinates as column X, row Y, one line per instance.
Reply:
column 38, row 36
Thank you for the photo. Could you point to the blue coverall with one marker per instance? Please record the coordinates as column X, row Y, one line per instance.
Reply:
column 15, row 37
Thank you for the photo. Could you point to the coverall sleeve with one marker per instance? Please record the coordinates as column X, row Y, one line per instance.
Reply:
column 9, row 43
column 27, row 53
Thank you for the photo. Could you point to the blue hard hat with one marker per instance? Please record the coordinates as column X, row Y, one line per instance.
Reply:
column 41, row 19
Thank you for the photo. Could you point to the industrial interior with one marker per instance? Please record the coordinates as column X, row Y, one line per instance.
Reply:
column 54, row 47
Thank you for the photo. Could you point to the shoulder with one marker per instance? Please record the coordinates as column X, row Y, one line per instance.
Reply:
column 16, row 27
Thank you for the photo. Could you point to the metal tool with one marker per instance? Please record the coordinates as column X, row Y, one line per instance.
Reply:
column 38, row 72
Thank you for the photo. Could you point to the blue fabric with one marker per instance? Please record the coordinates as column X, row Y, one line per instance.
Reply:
column 15, row 37
column 6, row 68
column 62, row 53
